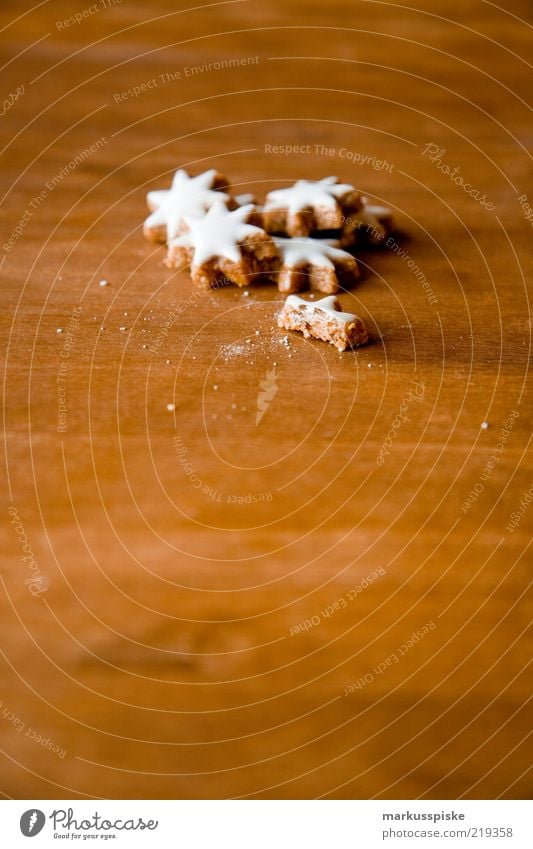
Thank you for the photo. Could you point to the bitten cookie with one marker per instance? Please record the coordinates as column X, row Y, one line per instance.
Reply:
column 222, row 244
column 323, row 320
column 310, row 206
column 315, row 264
column 187, row 196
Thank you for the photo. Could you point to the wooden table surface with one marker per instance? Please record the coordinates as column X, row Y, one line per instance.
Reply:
column 331, row 602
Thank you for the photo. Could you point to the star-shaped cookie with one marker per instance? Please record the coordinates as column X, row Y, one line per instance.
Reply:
column 187, row 196
column 310, row 205
column 376, row 222
column 223, row 245
column 316, row 264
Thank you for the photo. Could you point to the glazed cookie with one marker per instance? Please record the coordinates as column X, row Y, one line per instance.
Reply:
column 375, row 221
column 324, row 320
column 315, row 264
column 222, row 244
column 256, row 216
column 245, row 199
column 310, row 206
column 187, row 196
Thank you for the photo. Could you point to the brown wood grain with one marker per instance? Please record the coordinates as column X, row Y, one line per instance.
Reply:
column 181, row 551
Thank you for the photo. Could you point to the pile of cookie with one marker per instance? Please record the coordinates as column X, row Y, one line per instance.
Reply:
column 298, row 239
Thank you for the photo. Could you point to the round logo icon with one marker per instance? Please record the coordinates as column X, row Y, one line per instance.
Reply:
column 32, row 822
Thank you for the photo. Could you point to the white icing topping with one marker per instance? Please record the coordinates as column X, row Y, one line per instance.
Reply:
column 155, row 198
column 187, row 196
column 329, row 305
column 217, row 233
column 245, row 199
column 378, row 212
column 317, row 252
column 307, row 193
column 371, row 216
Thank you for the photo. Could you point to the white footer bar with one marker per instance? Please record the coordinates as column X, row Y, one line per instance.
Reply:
column 267, row 824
